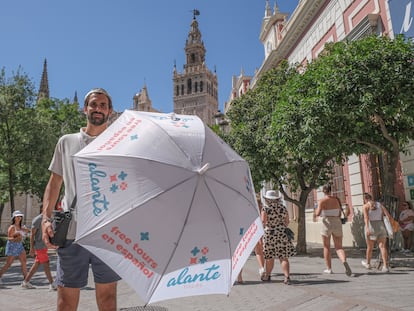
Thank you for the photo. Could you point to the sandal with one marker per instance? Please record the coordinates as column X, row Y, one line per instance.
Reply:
column 265, row 278
column 287, row 281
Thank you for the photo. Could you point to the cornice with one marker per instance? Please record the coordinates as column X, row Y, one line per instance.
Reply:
column 269, row 22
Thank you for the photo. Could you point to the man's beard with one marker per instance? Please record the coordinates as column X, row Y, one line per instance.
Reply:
column 97, row 122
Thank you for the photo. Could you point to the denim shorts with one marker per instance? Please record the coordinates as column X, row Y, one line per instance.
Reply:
column 14, row 248
column 73, row 267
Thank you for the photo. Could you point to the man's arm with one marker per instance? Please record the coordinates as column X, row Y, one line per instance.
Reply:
column 32, row 235
column 50, row 198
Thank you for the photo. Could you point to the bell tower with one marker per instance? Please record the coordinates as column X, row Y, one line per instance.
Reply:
column 196, row 88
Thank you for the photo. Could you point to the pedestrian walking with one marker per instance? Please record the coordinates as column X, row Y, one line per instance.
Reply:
column 39, row 250
column 276, row 242
column 14, row 246
column 329, row 208
column 406, row 221
column 375, row 230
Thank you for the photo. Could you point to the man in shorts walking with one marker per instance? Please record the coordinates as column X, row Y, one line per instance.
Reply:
column 38, row 249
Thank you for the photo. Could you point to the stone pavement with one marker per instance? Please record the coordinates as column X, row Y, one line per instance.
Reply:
column 310, row 289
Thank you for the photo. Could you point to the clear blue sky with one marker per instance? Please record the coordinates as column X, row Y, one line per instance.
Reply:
column 122, row 45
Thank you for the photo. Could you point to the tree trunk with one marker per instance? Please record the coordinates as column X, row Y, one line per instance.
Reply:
column 2, row 205
column 301, row 247
column 11, row 189
column 390, row 173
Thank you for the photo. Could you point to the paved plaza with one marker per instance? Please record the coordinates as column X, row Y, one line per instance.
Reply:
column 310, row 289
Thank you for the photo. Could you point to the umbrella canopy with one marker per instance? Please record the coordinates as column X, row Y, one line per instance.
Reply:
column 167, row 204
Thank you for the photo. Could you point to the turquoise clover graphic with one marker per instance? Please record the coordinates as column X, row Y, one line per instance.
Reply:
column 144, row 236
column 118, row 182
column 196, row 251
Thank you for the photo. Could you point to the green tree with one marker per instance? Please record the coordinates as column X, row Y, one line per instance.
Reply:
column 250, row 117
column 16, row 127
column 54, row 118
column 368, row 91
column 303, row 146
column 28, row 134
column 270, row 128
column 355, row 98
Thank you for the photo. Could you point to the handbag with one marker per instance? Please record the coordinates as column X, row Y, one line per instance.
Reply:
column 290, row 234
column 60, row 225
column 343, row 219
column 391, row 225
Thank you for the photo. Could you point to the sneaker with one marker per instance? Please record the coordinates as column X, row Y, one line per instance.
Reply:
column 348, row 270
column 327, row 271
column 52, row 287
column 365, row 264
column 27, row 285
column 385, row 269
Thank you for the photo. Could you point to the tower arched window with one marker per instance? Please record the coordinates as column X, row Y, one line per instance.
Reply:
column 196, row 87
column 177, row 90
column 193, row 58
column 201, row 86
column 189, row 88
column 182, row 89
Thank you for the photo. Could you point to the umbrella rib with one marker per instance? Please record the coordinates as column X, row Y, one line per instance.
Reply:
column 226, row 186
column 179, row 236
column 241, row 195
column 169, row 136
column 103, row 224
column 224, row 223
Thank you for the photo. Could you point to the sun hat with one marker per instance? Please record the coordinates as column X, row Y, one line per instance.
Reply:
column 271, row 195
column 17, row 213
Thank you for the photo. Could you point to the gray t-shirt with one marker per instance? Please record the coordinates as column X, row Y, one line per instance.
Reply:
column 62, row 164
column 37, row 239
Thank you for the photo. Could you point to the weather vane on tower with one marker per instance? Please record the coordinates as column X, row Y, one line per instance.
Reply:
column 195, row 13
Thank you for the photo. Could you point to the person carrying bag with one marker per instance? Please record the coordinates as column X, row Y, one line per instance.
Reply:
column 60, row 224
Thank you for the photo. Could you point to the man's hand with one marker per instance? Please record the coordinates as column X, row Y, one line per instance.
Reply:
column 32, row 252
column 47, row 233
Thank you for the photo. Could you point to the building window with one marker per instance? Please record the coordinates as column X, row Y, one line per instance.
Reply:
column 177, row 90
column 196, row 87
column 201, row 86
column 182, row 89
column 189, row 88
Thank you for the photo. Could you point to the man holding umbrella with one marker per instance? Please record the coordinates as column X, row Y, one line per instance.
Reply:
column 74, row 260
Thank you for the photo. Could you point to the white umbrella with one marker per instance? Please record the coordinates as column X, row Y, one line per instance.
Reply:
column 167, row 204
